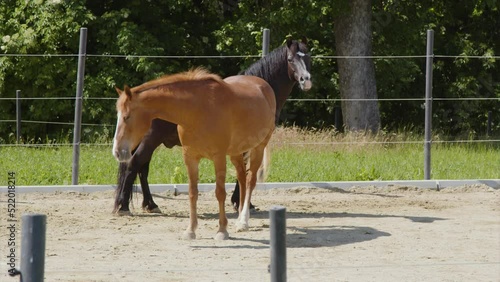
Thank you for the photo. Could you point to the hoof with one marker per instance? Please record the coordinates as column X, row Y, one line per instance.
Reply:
column 188, row 235
column 240, row 227
column 123, row 213
column 220, row 236
column 153, row 210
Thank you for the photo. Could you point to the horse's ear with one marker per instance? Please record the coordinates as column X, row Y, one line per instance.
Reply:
column 127, row 91
column 304, row 40
column 118, row 90
column 289, row 41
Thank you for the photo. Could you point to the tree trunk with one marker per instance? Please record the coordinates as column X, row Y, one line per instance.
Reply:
column 353, row 37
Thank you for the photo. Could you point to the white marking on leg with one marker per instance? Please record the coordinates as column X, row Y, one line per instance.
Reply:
column 244, row 216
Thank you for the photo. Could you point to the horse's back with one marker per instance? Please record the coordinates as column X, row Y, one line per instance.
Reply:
column 233, row 115
column 247, row 87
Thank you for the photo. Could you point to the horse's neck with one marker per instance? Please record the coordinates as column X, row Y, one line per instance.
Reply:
column 276, row 76
column 282, row 85
column 167, row 106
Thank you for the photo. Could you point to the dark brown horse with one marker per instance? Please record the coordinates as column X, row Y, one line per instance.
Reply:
column 282, row 69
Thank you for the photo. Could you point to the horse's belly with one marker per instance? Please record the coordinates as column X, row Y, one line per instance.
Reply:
column 231, row 132
column 245, row 140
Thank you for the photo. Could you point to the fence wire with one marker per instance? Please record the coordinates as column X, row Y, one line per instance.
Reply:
column 333, row 143
column 321, row 100
column 292, row 99
column 376, row 57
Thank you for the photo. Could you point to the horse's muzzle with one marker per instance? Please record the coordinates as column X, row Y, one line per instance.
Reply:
column 305, row 84
column 122, row 155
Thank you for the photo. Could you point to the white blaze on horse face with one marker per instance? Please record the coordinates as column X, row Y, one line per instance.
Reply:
column 301, row 74
column 115, row 149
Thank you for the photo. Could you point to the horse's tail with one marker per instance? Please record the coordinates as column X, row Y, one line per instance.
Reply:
column 264, row 167
column 122, row 176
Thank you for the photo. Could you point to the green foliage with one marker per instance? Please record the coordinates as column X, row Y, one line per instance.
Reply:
column 114, row 27
column 228, row 27
column 40, row 27
column 467, row 29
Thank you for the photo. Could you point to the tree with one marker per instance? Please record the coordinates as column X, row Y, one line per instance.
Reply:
column 353, row 37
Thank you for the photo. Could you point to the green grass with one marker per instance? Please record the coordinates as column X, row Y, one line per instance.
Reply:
column 313, row 158
column 401, row 163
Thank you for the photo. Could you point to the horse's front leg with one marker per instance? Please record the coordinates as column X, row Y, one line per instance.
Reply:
column 235, row 198
column 220, row 194
column 148, row 205
column 126, row 178
column 192, row 169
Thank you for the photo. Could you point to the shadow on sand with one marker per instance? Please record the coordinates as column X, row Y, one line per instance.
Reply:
column 310, row 237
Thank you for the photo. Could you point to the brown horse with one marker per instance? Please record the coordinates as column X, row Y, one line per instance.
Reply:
column 283, row 68
column 214, row 118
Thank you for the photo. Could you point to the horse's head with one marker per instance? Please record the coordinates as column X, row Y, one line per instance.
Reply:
column 131, row 126
column 299, row 63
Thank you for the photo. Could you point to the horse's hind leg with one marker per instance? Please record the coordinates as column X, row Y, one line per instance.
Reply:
column 256, row 156
column 240, row 167
column 192, row 169
column 220, row 193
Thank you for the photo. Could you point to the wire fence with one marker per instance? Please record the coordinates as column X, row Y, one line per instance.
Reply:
column 248, row 56
column 307, row 100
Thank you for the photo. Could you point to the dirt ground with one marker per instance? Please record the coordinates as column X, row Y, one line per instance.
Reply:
column 363, row 234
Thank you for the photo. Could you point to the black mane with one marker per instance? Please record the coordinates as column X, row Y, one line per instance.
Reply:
column 270, row 66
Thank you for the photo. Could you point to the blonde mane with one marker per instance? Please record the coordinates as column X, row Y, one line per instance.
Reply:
column 198, row 73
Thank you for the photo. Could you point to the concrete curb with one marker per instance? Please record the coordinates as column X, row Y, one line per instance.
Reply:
column 205, row 187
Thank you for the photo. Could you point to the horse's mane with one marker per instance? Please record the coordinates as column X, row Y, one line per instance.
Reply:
column 272, row 64
column 197, row 74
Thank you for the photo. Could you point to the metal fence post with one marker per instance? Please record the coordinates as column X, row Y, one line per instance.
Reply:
column 277, row 225
column 265, row 42
column 78, row 105
column 18, row 116
column 33, row 247
column 428, row 104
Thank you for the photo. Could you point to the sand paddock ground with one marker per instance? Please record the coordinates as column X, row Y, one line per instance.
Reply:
column 393, row 233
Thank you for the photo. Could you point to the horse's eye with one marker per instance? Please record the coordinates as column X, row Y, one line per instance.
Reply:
column 125, row 118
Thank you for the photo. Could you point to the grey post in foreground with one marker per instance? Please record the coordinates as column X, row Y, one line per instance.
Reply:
column 277, row 217
column 78, row 105
column 428, row 104
column 33, row 247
